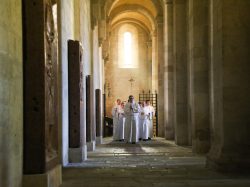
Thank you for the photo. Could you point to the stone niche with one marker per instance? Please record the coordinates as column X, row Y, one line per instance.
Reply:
column 41, row 154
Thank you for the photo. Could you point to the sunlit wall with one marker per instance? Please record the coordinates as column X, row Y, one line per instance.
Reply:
column 129, row 60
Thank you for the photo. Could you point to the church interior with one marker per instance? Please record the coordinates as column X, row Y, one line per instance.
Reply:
column 63, row 64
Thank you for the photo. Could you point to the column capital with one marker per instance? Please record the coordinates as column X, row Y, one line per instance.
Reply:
column 168, row 2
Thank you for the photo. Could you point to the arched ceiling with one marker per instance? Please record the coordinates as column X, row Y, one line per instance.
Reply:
column 141, row 11
column 144, row 3
column 133, row 15
column 133, row 22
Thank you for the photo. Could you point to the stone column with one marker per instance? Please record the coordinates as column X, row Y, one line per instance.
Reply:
column 230, row 77
column 77, row 145
column 180, row 72
column 168, row 71
column 160, row 59
column 98, row 111
column 149, row 60
column 41, row 153
column 89, row 128
column 198, row 75
column 154, row 62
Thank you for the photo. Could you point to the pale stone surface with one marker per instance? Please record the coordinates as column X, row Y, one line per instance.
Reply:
column 180, row 73
column 160, row 58
column 72, row 12
column 156, row 153
column 52, row 178
column 118, row 78
column 66, row 32
column 168, row 72
column 99, row 140
column 11, row 94
column 77, row 155
column 198, row 74
column 91, row 146
column 155, row 163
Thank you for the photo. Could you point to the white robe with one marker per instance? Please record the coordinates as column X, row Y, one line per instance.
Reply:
column 131, row 122
column 143, row 123
column 115, row 122
column 150, row 111
column 121, row 124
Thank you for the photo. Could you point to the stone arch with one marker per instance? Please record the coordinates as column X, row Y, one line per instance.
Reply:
column 131, row 21
column 133, row 8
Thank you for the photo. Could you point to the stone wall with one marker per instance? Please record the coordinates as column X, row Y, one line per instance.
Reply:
column 66, row 32
column 74, row 23
column 118, row 78
column 11, row 94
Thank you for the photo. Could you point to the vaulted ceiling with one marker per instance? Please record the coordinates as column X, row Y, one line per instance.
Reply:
column 140, row 12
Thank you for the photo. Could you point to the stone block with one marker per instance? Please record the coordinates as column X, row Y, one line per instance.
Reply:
column 52, row 178
column 77, row 155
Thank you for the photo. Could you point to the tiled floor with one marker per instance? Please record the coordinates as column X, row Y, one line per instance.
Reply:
column 155, row 163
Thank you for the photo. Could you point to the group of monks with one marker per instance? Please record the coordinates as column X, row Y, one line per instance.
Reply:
column 132, row 121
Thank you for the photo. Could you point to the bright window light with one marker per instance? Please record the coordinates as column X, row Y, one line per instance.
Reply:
column 127, row 49
column 127, row 46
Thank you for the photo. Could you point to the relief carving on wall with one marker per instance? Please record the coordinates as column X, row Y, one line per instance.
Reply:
column 51, row 82
column 81, row 76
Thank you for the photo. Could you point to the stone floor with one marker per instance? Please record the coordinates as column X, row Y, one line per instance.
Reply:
column 157, row 163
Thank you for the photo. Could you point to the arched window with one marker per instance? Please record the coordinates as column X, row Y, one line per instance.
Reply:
column 128, row 46
column 127, row 56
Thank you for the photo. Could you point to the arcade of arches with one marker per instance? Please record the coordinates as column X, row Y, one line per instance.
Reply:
column 61, row 59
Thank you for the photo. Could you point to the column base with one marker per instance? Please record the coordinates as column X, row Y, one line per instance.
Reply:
column 77, row 155
column 200, row 147
column 51, row 178
column 169, row 135
column 91, row 146
column 99, row 140
column 229, row 160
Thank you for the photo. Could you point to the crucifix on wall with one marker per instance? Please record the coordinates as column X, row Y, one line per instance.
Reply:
column 131, row 80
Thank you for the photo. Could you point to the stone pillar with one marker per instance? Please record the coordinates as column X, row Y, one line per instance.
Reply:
column 89, row 121
column 230, row 67
column 77, row 145
column 154, row 62
column 99, row 117
column 160, row 59
column 168, row 71
column 198, row 74
column 11, row 94
column 180, row 72
column 41, row 153
column 149, row 60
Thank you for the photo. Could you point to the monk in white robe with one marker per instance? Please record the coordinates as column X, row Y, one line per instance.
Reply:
column 121, row 122
column 151, row 113
column 131, row 111
column 115, row 116
column 143, row 122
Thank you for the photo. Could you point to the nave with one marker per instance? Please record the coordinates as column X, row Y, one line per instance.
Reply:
column 154, row 163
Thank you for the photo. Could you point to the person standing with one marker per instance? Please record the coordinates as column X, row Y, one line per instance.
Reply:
column 151, row 113
column 115, row 119
column 140, row 122
column 121, row 122
column 143, row 122
column 131, row 111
